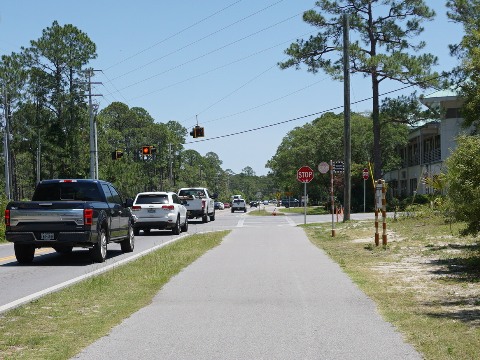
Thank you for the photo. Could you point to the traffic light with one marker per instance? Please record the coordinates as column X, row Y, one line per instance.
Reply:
column 146, row 150
column 197, row 131
column 117, row 154
column 149, row 150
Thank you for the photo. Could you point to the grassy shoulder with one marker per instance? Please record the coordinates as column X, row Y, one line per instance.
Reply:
column 426, row 281
column 311, row 210
column 263, row 212
column 61, row 324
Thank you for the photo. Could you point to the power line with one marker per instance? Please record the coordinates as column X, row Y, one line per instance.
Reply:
column 215, row 69
column 174, row 35
column 208, row 53
column 196, row 41
column 267, row 103
column 301, row 117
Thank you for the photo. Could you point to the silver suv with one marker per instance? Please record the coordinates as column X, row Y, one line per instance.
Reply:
column 239, row 205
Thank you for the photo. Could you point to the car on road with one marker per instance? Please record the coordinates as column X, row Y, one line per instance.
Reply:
column 290, row 202
column 159, row 210
column 239, row 205
column 226, row 205
column 219, row 205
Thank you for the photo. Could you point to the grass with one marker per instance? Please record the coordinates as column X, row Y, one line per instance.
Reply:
column 61, row 324
column 263, row 212
column 311, row 210
column 426, row 281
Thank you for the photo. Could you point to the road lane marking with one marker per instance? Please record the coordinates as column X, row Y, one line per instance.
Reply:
column 39, row 251
column 60, row 286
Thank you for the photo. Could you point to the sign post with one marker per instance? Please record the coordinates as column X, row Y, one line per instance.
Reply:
column 365, row 178
column 332, row 198
column 305, row 175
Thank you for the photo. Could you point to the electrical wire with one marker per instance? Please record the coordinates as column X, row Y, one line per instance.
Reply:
column 300, row 117
column 197, row 41
column 215, row 69
column 174, row 35
column 208, row 53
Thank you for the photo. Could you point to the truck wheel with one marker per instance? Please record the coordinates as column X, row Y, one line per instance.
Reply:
column 212, row 217
column 205, row 218
column 136, row 231
column 232, row 210
column 176, row 228
column 184, row 227
column 128, row 244
column 98, row 252
column 245, row 210
column 24, row 253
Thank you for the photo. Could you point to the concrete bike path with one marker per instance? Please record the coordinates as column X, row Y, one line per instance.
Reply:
column 265, row 293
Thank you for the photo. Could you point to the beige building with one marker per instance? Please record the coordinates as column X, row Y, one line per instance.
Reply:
column 428, row 147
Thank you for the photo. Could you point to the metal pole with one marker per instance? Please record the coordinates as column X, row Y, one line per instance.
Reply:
column 346, row 113
column 332, row 198
column 39, row 152
column 96, row 144
column 304, row 203
column 364, row 181
column 92, row 135
column 6, row 150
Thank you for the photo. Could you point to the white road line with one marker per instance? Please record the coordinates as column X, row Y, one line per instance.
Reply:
column 57, row 287
column 241, row 221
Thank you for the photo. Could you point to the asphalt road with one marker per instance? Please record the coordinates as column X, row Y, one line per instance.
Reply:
column 265, row 293
column 50, row 271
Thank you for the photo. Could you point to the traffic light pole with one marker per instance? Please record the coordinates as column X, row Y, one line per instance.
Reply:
column 93, row 128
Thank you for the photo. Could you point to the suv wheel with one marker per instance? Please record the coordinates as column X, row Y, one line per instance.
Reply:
column 98, row 252
column 128, row 244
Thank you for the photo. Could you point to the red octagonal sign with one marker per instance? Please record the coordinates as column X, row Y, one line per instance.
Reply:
column 305, row 174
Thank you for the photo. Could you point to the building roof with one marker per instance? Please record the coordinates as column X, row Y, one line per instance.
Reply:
column 434, row 100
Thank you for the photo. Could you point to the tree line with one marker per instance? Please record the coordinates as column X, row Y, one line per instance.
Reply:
column 47, row 112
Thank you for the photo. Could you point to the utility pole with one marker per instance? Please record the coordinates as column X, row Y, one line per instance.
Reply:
column 6, row 146
column 170, row 164
column 93, row 128
column 346, row 113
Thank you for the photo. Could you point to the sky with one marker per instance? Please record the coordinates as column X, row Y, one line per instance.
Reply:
column 211, row 63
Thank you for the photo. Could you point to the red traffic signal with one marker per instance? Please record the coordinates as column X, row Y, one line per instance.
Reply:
column 149, row 150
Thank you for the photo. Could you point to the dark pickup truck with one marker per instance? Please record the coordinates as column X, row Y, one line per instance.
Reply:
column 64, row 214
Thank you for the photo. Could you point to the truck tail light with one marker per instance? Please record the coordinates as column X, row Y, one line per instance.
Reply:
column 88, row 216
column 136, row 207
column 7, row 217
column 204, row 202
column 168, row 207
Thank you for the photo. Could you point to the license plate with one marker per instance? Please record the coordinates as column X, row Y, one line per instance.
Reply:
column 151, row 210
column 47, row 236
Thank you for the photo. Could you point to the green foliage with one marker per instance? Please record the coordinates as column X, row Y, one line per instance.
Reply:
column 463, row 177
column 383, row 47
column 322, row 140
column 466, row 76
column 3, row 204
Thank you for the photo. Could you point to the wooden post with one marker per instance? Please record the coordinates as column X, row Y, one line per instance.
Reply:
column 384, row 213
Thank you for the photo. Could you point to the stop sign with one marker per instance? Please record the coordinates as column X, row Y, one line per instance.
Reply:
column 305, row 174
column 365, row 174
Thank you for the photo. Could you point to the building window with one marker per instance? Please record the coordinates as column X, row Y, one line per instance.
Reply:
column 413, row 185
column 453, row 113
